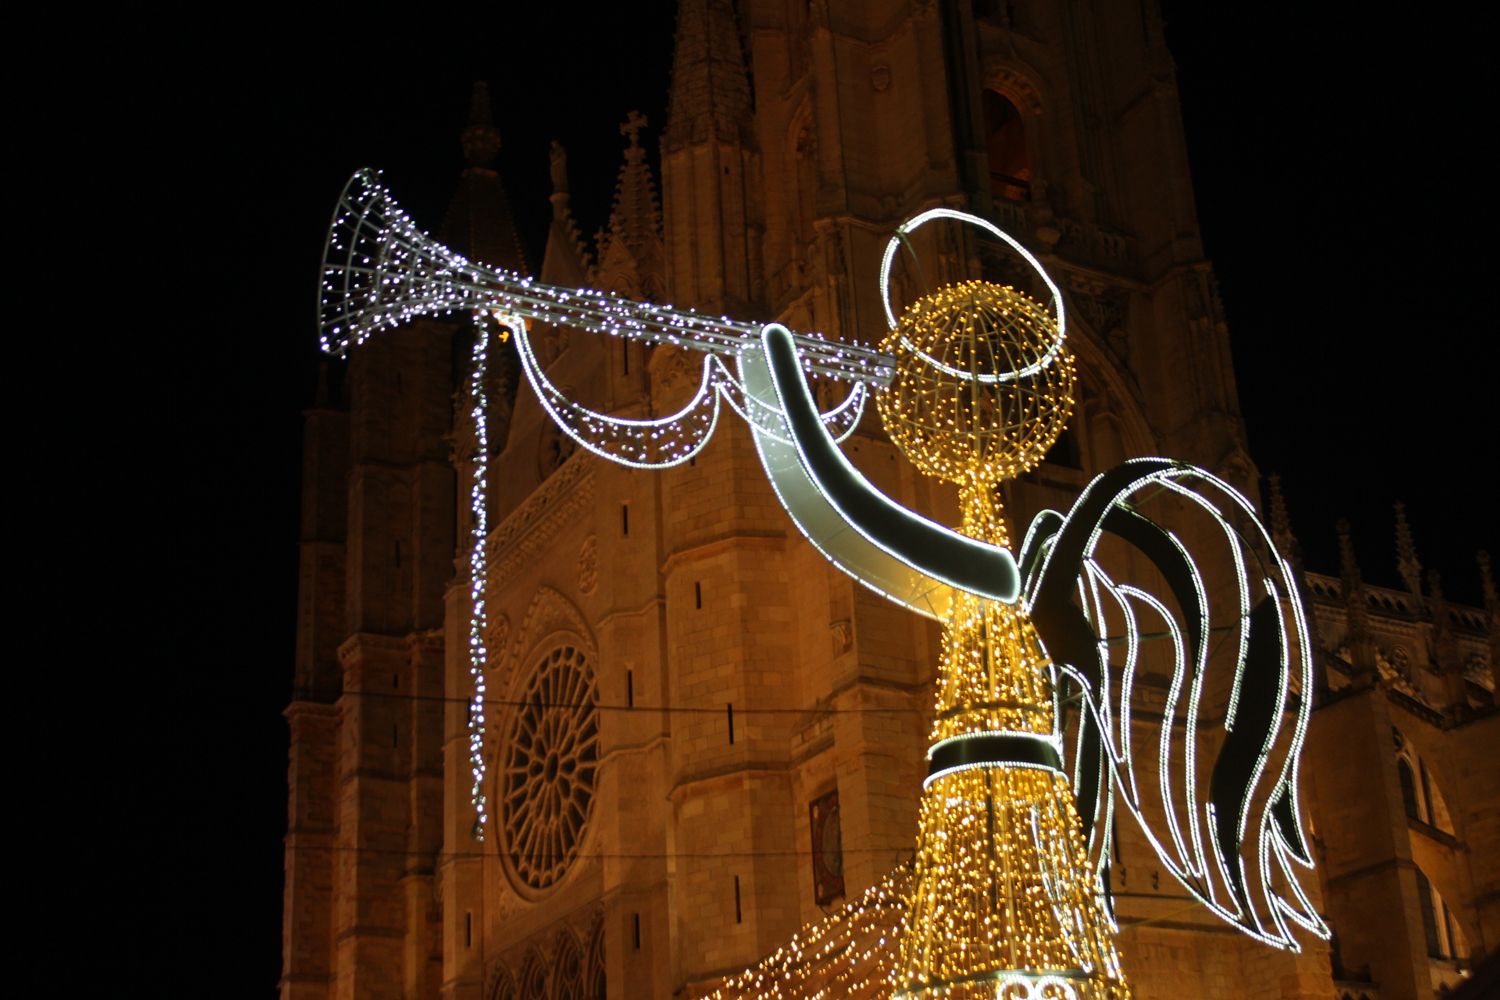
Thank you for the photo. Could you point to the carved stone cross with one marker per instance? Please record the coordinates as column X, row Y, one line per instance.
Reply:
column 634, row 122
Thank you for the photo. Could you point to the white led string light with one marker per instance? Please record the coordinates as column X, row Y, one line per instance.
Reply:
column 1297, row 913
column 381, row 271
column 1289, row 773
column 1282, row 597
column 479, row 531
column 1242, row 587
column 1052, row 739
column 1242, row 584
column 662, row 442
column 1222, row 864
column 888, row 261
column 1194, row 699
column 1267, row 921
column 1127, row 673
column 1121, row 761
column 1192, row 886
column 1265, row 752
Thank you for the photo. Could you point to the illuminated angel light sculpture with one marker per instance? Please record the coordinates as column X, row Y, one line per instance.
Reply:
column 973, row 383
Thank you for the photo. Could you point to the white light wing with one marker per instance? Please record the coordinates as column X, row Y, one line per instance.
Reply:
column 1213, row 653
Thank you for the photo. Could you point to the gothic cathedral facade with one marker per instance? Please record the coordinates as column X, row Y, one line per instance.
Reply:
column 702, row 737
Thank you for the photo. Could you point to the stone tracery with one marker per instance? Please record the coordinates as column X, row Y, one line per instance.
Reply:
column 547, row 778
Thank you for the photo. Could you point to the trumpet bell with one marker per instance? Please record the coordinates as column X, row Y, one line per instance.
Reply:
column 380, row 270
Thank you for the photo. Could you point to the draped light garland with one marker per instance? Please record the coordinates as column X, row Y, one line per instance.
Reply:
column 662, row 442
column 844, row 954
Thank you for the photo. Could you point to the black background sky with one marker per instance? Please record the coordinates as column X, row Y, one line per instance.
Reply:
column 1343, row 199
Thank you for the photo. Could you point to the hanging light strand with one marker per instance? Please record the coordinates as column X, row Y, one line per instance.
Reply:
column 479, row 531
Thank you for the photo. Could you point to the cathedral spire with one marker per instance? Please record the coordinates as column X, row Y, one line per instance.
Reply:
column 632, row 242
column 1406, row 554
column 1491, row 605
column 565, row 261
column 1281, row 524
column 712, row 216
column 710, row 94
column 1357, row 636
column 1290, row 550
column 1487, row 581
column 1348, row 565
column 1447, row 661
column 560, row 198
column 479, row 223
column 481, row 140
column 1438, row 602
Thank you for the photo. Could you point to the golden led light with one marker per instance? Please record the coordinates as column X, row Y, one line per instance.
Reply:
column 1002, row 890
column 964, row 430
column 1004, row 903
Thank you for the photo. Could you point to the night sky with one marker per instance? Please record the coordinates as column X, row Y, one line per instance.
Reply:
column 1341, row 194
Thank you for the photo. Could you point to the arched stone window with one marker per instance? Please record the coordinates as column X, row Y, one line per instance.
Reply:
column 1429, row 915
column 533, row 979
column 1436, row 809
column 1420, row 795
column 594, row 986
column 1444, row 938
column 802, row 176
column 1005, row 143
column 504, row 987
column 567, row 970
column 1409, row 790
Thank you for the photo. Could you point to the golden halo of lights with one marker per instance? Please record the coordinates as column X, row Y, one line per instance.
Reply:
column 963, row 429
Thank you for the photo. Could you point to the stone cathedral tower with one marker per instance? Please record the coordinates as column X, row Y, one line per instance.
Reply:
column 703, row 736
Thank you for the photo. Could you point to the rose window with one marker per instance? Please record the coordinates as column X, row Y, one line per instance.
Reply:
column 550, row 762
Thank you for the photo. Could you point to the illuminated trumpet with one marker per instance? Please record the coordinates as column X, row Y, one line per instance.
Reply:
column 381, row 271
